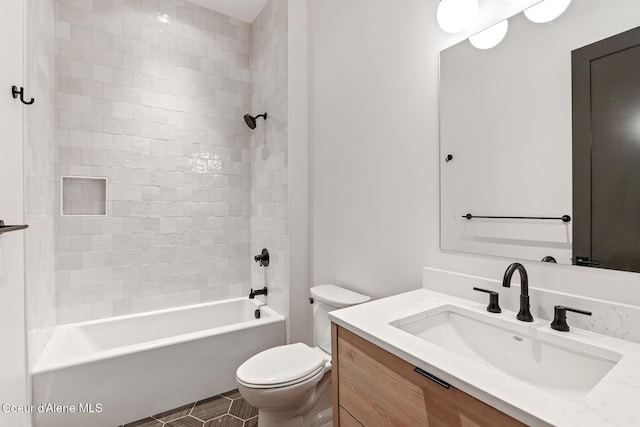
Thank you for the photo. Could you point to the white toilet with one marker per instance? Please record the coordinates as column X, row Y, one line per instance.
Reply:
column 291, row 384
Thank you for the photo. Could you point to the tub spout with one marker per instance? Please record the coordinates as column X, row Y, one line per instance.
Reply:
column 253, row 293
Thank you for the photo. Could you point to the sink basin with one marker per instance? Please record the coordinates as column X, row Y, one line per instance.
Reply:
column 524, row 352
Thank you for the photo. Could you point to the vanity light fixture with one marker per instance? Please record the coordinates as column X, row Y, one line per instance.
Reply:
column 546, row 11
column 455, row 16
column 491, row 37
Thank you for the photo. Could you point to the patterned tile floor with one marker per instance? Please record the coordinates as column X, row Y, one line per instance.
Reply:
column 225, row 410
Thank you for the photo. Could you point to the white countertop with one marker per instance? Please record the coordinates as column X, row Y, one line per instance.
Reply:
column 614, row 401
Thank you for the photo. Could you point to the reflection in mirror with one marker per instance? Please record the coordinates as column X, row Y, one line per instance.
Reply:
column 606, row 136
column 506, row 118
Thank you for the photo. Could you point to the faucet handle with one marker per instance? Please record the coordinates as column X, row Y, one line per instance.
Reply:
column 494, row 306
column 560, row 317
column 262, row 258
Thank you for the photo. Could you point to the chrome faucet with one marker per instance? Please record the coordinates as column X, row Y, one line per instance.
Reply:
column 524, row 314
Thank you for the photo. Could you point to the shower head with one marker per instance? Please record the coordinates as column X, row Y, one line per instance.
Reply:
column 251, row 121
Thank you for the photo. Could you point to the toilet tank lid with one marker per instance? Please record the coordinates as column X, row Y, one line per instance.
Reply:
column 337, row 296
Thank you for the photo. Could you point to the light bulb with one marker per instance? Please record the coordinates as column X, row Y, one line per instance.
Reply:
column 546, row 11
column 490, row 37
column 455, row 16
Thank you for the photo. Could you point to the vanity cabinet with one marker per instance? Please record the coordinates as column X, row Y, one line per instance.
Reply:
column 372, row 387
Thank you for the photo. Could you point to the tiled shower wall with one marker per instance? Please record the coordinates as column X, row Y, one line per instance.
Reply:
column 151, row 95
column 269, row 144
column 40, row 175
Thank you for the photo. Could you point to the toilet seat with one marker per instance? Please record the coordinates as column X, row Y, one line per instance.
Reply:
column 284, row 384
column 282, row 366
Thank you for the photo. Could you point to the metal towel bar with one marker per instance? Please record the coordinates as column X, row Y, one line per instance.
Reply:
column 563, row 218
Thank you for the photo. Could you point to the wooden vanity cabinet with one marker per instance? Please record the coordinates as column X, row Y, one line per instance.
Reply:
column 374, row 388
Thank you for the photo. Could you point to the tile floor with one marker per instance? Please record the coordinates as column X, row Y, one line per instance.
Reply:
column 225, row 410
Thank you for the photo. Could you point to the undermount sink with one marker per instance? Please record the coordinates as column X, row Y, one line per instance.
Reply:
column 524, row 352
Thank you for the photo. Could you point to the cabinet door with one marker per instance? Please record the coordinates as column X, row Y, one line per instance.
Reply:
column 347, row 420
column 380, row 389
column 375, row 394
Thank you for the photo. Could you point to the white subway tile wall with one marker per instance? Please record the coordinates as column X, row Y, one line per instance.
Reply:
column 151, row 95
column 269, row 145
column 40, row 178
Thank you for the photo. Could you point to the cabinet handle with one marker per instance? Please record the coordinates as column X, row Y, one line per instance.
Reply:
column 432, row 377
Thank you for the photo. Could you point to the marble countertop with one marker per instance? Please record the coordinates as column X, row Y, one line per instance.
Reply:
column 614, row 401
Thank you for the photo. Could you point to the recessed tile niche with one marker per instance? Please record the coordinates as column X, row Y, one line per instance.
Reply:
column 83, row 196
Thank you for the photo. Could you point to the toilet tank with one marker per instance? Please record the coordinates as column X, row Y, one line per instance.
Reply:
column 327, row 298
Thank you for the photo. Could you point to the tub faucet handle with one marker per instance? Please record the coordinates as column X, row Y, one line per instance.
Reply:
column 262, row 258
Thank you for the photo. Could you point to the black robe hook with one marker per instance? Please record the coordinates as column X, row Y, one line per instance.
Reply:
column 15, row 92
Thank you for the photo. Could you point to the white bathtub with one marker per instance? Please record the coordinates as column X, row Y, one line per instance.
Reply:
column 122, row 369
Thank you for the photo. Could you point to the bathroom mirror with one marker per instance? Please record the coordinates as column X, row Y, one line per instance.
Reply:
column 505, row 133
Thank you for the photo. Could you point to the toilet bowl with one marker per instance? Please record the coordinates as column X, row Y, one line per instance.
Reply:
column 290, row 384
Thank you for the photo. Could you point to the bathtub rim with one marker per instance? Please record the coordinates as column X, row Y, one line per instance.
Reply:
column 44, row 365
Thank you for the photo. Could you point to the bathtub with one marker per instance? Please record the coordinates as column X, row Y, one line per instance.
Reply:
column 105, row 373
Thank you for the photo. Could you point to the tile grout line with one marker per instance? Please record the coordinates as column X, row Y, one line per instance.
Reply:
column 237, row 418
column 166, row 422
column 193, row 406
column 197, row 418
column 196, row 404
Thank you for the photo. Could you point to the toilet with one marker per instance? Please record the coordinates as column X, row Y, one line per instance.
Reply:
column 291, row 384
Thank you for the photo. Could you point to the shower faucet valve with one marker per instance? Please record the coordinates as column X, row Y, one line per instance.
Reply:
column 262, row 258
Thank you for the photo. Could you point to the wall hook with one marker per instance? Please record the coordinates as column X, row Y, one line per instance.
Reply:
column 448, row 158
column 15, row 92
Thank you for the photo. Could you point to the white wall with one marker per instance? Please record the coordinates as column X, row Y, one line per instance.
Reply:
column 370, row 150
column 298, row 101
column 39, row 172
column 375, row 154
column 12, row 317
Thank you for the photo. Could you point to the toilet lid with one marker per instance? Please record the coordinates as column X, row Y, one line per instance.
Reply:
column 282, row 364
